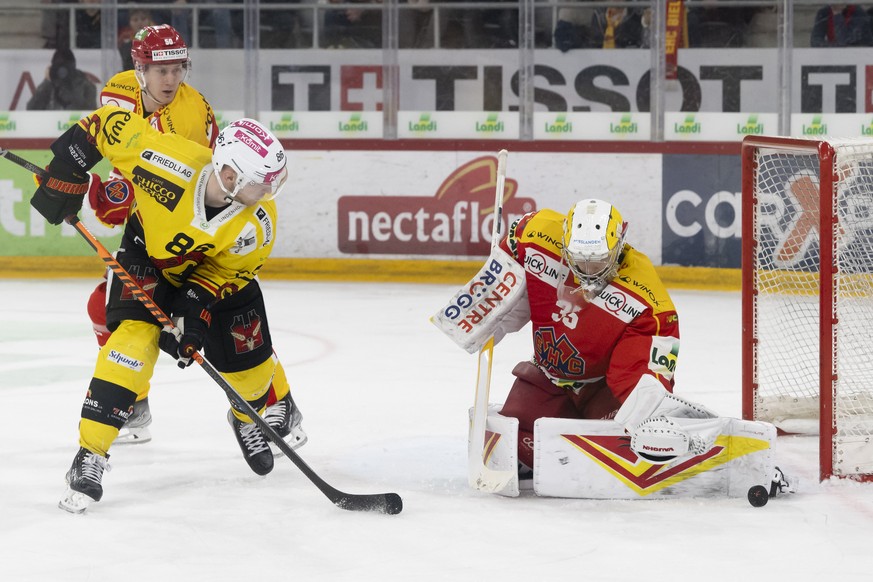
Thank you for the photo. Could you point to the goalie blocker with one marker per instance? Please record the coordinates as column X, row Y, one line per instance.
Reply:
column 591, row 459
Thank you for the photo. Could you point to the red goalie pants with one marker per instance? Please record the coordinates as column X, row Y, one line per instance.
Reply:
column 533, row 396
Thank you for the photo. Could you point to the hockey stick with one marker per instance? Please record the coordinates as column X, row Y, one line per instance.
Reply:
column 389, row 503
column 480, row 476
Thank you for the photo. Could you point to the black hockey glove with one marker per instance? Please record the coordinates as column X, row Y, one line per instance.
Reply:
column 61, row 193
column 192, row 318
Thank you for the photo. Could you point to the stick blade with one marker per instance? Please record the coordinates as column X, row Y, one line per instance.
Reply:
column 387, row 503
column 491, row 481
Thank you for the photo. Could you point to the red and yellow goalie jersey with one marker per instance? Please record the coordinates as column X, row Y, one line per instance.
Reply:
column 189, row 115
column 169, row 173
column 630, row 329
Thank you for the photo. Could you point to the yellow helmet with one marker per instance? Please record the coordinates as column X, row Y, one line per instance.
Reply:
column 593, row 240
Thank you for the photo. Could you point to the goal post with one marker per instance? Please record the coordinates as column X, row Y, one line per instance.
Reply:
column 807, row 299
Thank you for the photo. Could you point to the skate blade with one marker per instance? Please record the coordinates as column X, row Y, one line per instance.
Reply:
column 136, row 436
column 295, row 440
column 74, row 502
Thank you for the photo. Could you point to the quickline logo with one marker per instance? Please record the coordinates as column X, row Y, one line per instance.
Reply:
column 354, row 124
column 490, row 125
column 285, row 123
column 424, row 124
column 689, row 125
column 626, row 125
column 70, row 122
column 815, row 128
column 751, row 127
column 560, row 125
column 6, row 124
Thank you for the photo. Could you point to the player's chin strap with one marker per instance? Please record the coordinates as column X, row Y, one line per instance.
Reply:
column 663, row 426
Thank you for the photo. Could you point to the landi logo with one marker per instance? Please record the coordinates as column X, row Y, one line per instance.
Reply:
column 625, row 126
column 6, row 124
column 354, row 124
column 867, row 129
column 815, row 128
column 285, row 123
column 492, row 124
column 561, row 125
column 70, row 122
column 424, row 124
column 456, row 220
column 752, row 127
column 689, row 126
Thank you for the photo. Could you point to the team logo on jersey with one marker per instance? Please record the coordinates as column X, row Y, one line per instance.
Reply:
column 246, row 241
column 266, row 225
column 558, row 354
column 167, row 163
column 663, row 355
column 619, row 303
column 246, row 332
column 117, row 191
column 165, row 192
column 542, row 266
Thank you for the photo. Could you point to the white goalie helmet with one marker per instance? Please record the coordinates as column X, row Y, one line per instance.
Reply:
column 594, row 235
column 255, row 154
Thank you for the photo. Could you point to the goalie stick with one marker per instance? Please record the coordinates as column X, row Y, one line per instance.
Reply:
column 480, row 476
column 389, row 503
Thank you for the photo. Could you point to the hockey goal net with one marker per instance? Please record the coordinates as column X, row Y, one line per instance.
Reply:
column 808, row 294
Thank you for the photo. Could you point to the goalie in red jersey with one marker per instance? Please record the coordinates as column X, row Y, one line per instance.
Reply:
column 605, row 332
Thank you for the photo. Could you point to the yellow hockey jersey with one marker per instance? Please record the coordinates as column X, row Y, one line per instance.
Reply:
column 169, row 174
column 189, row 114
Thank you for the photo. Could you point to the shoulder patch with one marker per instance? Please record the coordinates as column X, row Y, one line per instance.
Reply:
column 266, row 224
column 619, row 303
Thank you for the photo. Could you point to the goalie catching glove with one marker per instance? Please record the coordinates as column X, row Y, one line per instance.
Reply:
column 61, row 193
column 663, row 426
column 192, row 318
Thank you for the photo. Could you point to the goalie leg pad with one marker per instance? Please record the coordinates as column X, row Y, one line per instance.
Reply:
column 501, row 446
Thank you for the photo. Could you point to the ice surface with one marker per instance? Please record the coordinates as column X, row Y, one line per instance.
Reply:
column 385, row 398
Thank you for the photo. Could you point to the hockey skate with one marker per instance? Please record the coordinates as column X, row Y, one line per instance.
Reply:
column 253, row 444
column 84, row 481
column 136, row 430
column 284, row 417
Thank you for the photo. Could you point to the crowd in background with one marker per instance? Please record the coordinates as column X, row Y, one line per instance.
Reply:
column 358, row 24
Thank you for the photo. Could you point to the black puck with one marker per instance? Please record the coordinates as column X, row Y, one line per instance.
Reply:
column 758, row 496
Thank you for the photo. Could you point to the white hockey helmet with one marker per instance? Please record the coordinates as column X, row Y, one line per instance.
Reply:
column 255, row 154
column 593, row 240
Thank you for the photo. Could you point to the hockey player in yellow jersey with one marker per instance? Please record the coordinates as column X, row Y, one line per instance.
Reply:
column 202, row 225
column 156, row 90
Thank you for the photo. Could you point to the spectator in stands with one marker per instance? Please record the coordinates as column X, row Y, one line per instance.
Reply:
column 218, row 22
column 65, row 87
column 480, row 27
column 283, row 28
column 55, row 26
column 416, row 25
column 353, row 27
column 838, row 25
column 137, row 19
column 88, row 25
column 612, row 27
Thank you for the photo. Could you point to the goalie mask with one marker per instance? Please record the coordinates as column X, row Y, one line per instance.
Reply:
column 593, row 240
column 162, row 49
column 255, row 155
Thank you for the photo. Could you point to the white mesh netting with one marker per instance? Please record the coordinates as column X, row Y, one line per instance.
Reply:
column 786, row 267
